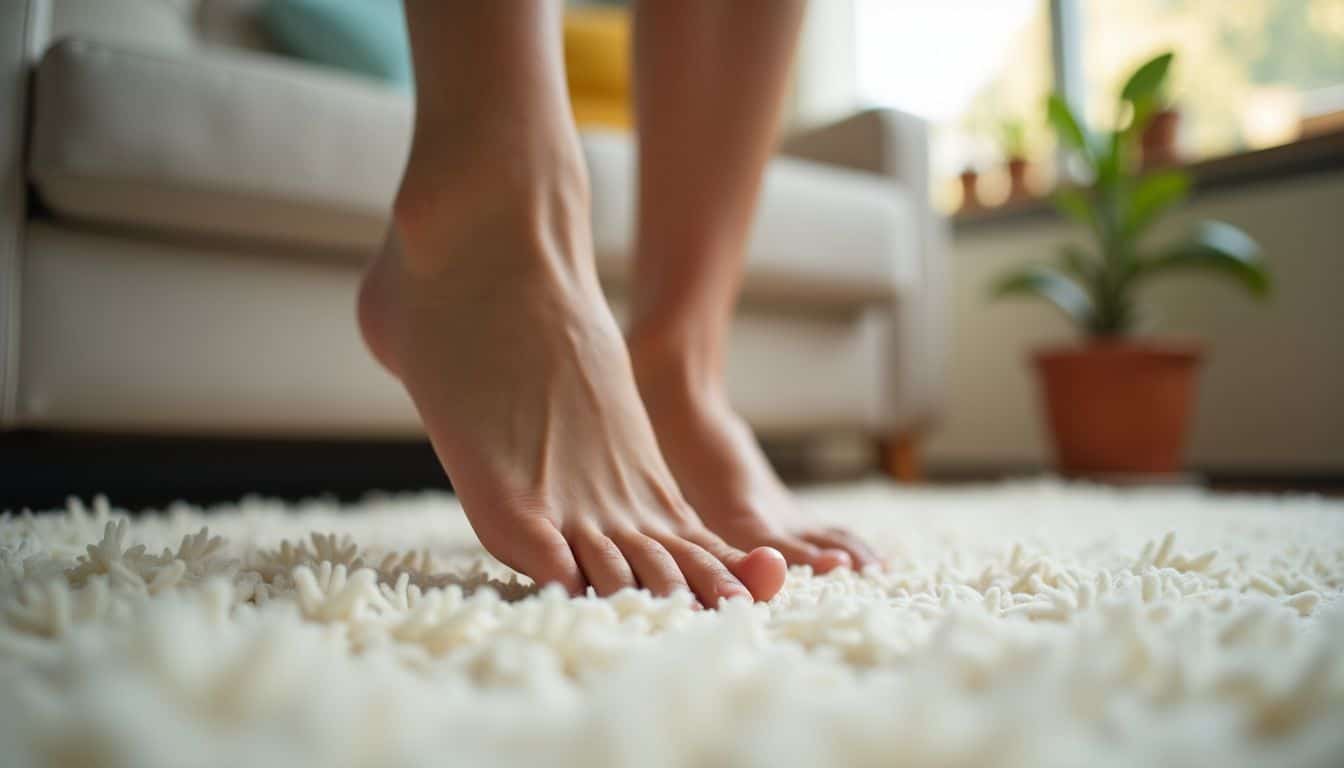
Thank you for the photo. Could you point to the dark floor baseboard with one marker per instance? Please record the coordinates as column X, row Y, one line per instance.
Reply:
column 39, row 470
column 1222, row 479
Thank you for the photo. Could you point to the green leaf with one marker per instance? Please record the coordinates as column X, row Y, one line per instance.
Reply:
column 1070, row 131
column 1074, row 203
column 1147, row 80
column 1076, row 262
column 1050, row 284
column 1154, row 195
column 1111, row 160
column 1217, row 247
column 1141, row 113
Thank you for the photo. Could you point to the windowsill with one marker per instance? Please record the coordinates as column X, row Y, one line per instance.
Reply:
column 1315, row 154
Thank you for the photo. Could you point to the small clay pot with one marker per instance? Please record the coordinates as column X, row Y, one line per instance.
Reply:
column 1158, row 141
column 970, row 193
column 1017, row 179
column 1119, row 407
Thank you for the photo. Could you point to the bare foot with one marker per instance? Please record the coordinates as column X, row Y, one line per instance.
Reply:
column 722, row 470
column 490, row 314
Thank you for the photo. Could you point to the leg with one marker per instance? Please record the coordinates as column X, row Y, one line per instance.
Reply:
column 711, row 79
column 486, row 306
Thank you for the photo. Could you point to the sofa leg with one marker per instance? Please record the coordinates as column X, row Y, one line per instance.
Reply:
column 900, row 457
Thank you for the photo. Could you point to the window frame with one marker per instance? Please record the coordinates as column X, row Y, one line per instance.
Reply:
column 1066, row 58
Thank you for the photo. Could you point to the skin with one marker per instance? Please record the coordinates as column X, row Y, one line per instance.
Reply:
column 705, row 139
column 487, row 307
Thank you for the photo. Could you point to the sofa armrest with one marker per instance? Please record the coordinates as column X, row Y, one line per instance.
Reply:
column 882, row 141
column 23, row 34
column 895, row 145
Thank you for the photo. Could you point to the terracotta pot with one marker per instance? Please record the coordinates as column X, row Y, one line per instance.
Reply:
column 1017, row 179
column 1119, row 407
column 1158, row 142
column 970, row 194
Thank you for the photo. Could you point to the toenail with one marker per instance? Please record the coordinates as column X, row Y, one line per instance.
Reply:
column 769, row 552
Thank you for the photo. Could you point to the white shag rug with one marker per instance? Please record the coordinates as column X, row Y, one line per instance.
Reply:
column 1031, row 624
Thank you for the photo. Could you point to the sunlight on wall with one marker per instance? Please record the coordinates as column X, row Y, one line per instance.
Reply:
column 966, row 66
column 932, row 58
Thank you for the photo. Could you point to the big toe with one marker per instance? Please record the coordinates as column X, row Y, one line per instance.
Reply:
column 762, row 570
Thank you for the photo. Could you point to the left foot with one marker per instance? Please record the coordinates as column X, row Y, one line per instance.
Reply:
column 723, row 472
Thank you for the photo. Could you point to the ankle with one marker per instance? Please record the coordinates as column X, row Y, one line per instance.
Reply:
column 675, row 363
column 459, row 198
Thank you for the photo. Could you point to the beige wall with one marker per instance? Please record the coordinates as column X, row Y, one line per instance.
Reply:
column 1272, row 392
column 824, row 74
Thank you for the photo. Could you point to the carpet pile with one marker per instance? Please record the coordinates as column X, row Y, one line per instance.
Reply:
column 1027, row 624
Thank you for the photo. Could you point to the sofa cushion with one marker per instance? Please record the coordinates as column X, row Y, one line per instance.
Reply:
column 232, row 23
column 248, row 146
column 139, row 23
column 365, row 37
column 217, row 142
column 822, row 234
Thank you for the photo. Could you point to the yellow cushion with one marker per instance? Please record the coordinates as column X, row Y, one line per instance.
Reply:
column 597, row 64
column 601, row 113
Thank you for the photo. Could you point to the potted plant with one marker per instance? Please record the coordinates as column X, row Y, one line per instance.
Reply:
column 1013, row 142
column 1118, row 404
column 970, row 185
column 1157, row 143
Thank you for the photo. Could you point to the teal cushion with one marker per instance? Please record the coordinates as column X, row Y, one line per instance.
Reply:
column 363, row 36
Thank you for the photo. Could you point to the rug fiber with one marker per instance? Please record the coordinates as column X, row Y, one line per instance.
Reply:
column 1029, row 624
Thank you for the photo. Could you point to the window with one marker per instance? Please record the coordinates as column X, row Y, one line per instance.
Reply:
column 1249, row 74
column 972, row 68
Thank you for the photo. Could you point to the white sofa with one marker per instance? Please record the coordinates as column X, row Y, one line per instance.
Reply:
column 184, row 216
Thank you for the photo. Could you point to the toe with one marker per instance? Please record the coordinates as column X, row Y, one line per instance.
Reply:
column 653, row 565
column 762, row 570
column 822, row 558
column 707, row 575
column 829, row 558
column 838, row 539
column 603, row 563
column 534, row 547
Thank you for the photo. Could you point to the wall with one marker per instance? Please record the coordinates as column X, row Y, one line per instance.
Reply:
column 1271, row 392
column 825, row 84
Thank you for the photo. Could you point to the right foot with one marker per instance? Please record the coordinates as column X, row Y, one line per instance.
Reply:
column 489, row 311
